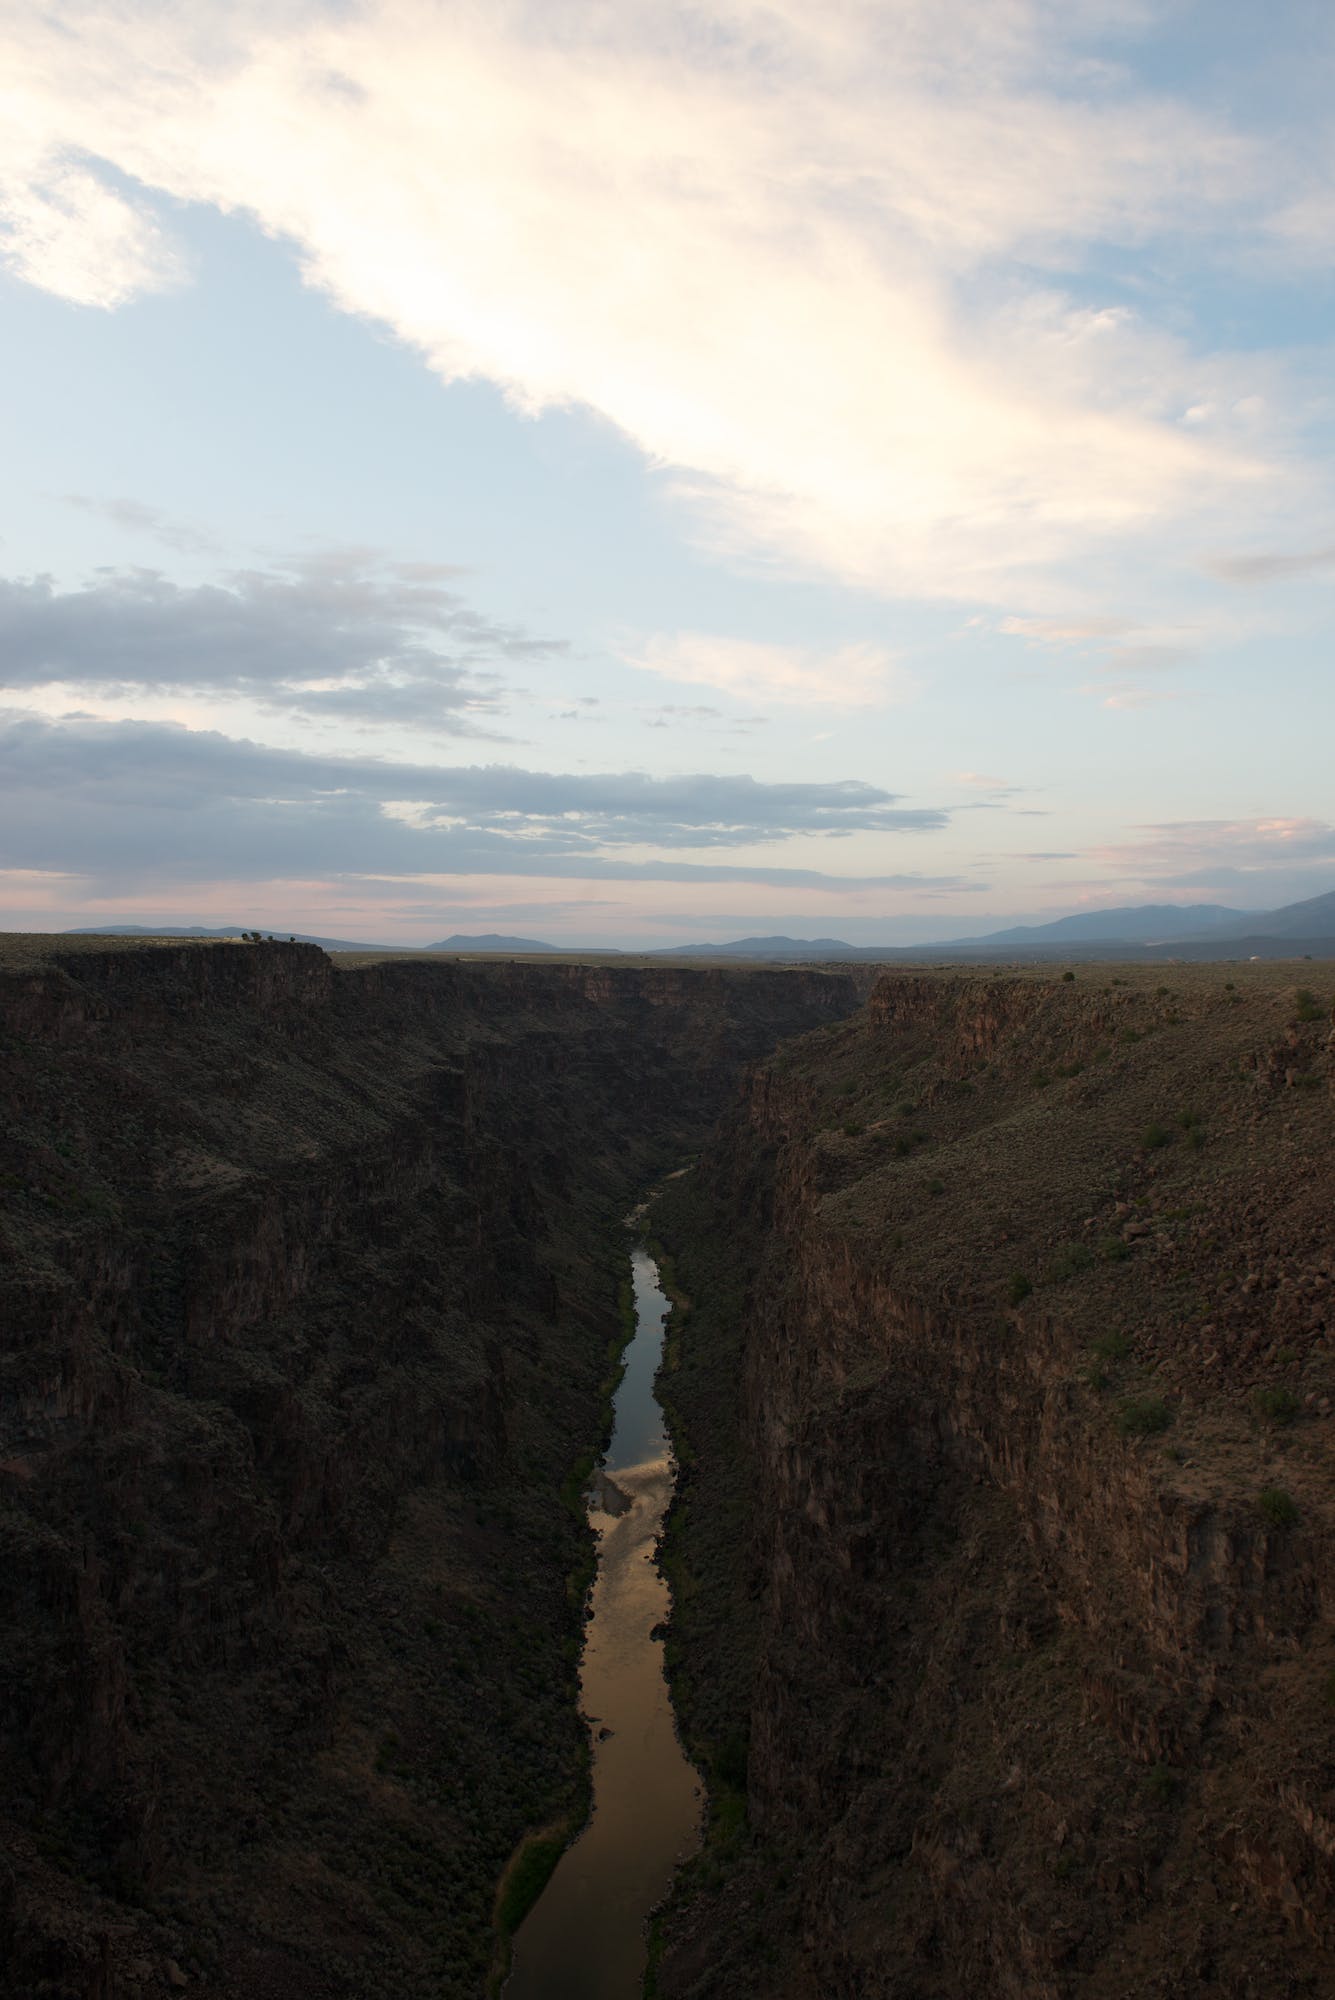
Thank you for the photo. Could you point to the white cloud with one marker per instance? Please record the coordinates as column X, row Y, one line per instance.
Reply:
column 856, row 676
column 789, row 251
column 1194, row 853
column 67, row 232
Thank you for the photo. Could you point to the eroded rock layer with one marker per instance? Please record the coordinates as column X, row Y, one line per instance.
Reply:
column 1004, row 1378
column 307, row 1282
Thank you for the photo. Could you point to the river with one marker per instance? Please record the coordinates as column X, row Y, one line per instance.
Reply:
column 585, row 1938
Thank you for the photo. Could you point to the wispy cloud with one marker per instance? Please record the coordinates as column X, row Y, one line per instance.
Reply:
column 137, row 518
column 1281, row 858
column 1272, row 566
column 823, row 266
column 856, row 676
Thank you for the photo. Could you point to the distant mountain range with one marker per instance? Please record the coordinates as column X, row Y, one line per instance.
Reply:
column 1143, row 923
column 490, row 941
column 776, row 948
column 1143, row 930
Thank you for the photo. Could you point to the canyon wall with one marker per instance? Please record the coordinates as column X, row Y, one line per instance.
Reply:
column 1002, row 1372
column 307, row 1284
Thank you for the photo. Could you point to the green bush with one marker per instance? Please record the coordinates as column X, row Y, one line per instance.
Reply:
column 1276, row 1406
column 1309, row 1007
column 1161, row 1784
column 1153, row 1137
column 1112, row 1347
column 1068, row 1261
column 1277, row 1508
column 854, row 1129
column 1067, row 977
column 1143, row 1416
column 1019, row 1288
column 1113, row 1250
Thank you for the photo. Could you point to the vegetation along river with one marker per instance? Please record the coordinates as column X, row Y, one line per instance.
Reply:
column 585, row 1938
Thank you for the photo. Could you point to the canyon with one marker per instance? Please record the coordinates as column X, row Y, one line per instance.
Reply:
column 1000, row 1374
column 308, row 1288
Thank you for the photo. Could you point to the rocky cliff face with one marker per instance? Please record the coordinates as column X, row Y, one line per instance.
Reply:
column 307, row 1282
column 1028, row 1318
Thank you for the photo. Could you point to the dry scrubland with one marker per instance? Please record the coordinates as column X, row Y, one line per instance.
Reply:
column 1028, row 1285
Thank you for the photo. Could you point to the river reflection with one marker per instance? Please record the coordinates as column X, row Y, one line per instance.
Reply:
column 585, row 1938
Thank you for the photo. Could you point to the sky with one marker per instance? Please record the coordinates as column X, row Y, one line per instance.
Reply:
column 623, row 472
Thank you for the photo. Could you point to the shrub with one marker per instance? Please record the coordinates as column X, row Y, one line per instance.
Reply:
column 1129, row 1036
column 1143, row 1416
column 1067, row 977
column 1113, row 1250
column 1309, row 1007
column 1112, row 1347
column 1019, row 1288
column 1276, row 1406
column 1277, row 1508
column 1161, row 1784
column 854, row 1129
column 1070, row 1259
column 936, row 1187
column 1153, row 1137
column 1041, row 1079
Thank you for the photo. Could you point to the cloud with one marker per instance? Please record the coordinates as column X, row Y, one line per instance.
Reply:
column 1278, row 857
column 855, row 676
column 823, row 266
column 1272, row 566
column 138, row 519
column 64, row 228
column 337, row 635
column 127, row 801
column 1063, row 631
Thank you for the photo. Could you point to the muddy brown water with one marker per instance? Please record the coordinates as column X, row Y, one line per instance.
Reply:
column 586, row 1936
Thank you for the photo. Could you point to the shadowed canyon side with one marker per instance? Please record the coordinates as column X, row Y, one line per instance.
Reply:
column 307, row 1284
column 1003, row 1378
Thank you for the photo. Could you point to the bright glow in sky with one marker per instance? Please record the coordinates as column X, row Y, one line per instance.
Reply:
column 625, row 473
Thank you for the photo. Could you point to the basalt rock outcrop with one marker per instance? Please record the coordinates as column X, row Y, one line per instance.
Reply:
column 307, row 1284
column 1003, row 1378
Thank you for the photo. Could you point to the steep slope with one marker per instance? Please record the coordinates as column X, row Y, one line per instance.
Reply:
column 307, row 1284
column 1006, row 1392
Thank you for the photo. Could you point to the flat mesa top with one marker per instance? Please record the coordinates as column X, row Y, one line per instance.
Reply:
column 31, row 951
column 27, row 951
